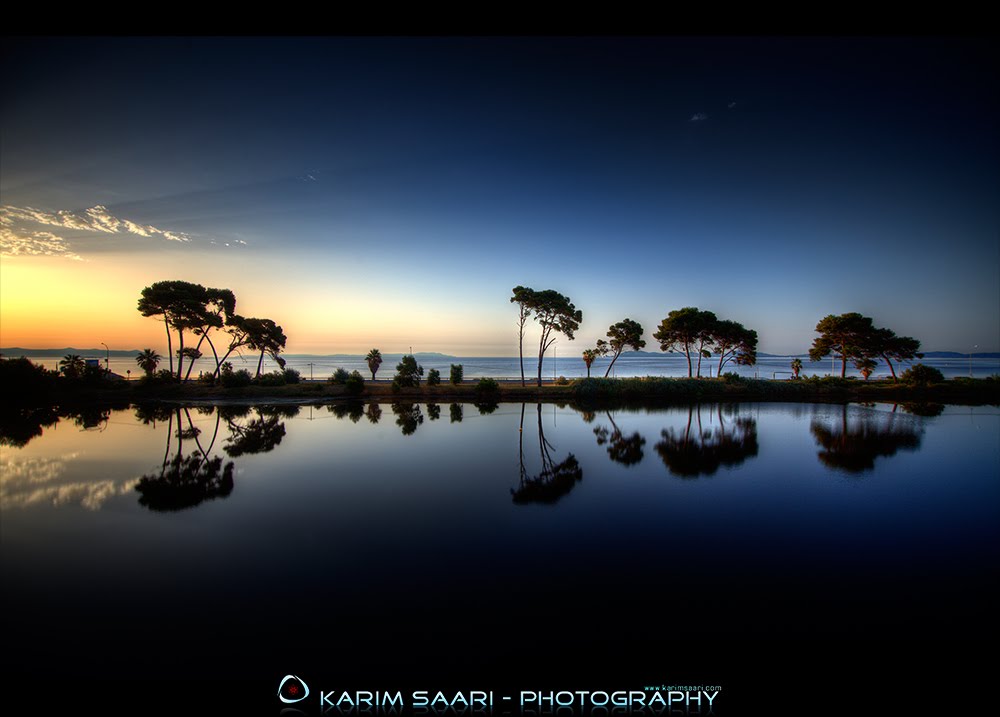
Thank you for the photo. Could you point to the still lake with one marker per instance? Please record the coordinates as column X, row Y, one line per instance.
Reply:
column 452, row 541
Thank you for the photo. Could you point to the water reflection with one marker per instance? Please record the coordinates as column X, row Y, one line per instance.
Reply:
column 258, row 435
column 627, row 451
column 19, row 425
column 408, row 417
column 373, row 413
column 354, row 410
column 184, row 481
column 433, row 411
column 853, row 443
column 696, row 451
column 555, row 479
column 456, row 412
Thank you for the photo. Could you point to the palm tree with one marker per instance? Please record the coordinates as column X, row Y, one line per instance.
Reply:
column 796, row 367
column 148, row 360
column 374, row 359
column 589, row 355
column 72, row 366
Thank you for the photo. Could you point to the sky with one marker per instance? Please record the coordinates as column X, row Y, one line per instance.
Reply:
column 390, row 192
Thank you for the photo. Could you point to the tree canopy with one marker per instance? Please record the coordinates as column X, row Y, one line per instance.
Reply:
column 554, row 313
column 848, row 335
column 688, row 330
column 621, row 335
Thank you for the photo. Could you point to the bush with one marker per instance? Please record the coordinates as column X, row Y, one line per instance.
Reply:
column 457, row 374
column 731, row 377
column 487, row 385
column 22, row 379
column 561, row 381
column 292, row 376
column 355, row 383
column 234, row 379
column 340, row 376
column 921, row 375
column 433, row 377
column 408, row 372
column 275, row 378
column 206, row 377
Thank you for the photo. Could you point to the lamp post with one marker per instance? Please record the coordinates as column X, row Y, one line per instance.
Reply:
column 107, row 358
column 976, row 346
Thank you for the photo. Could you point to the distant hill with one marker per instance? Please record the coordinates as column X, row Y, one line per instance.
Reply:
column 17, row 352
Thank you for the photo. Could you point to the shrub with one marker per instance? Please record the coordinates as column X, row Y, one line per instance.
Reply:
column 339, row 376
column 731, row 377
column 408, row 372
column 234, row 379
column 355, row 383
column 487, row 385
column 921, row 375
column 206, row 377
column 275, row 378
column 561, row 381
column 457, row 374
column 433, row 377
column 292, row 376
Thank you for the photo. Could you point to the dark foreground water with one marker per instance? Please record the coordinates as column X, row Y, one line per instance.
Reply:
column 370, row 546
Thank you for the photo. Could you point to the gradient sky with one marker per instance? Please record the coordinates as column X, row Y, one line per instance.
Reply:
column 391, row 192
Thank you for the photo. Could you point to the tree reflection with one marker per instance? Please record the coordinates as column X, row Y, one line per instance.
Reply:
column 455, row 410
column 355, row 410
column 555, row 479
column 695, row 452
column 627, row 451
column 259, row 435
column 19, row 425
column 185, row 481
column 373, row 413
column 408, row 417
column 853, row 445
column 433, row 411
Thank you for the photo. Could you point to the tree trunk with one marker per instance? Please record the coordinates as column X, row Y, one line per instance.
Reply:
column 687, row 352
column 170, row 348
column 541, row 355
column 180, row 356
column 891, row 369
column 260, row 363
column 520, row 350
column 613, row 359
column 843, row 364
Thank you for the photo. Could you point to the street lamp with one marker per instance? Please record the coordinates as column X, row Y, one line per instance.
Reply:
column 107, row 358
column 976, row 346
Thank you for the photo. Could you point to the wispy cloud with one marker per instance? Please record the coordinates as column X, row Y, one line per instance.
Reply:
column 731, row 105
column 95, row 219
column 698, row 117
column 34, row 243
column 29, row 481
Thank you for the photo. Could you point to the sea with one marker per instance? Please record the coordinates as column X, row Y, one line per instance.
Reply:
column 503, row 368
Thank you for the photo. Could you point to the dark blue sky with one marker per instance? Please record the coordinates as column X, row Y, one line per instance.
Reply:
column 392, row 191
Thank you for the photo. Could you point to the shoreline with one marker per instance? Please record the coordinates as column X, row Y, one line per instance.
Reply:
column 583, row 392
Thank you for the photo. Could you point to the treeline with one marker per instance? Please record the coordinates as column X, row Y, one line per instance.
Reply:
column 204, row 312
column 700, row 334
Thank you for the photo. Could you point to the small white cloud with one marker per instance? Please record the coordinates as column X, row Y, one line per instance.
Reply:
column 731, row 105
column 95, row 219
column 36, row 243
column 698, row 117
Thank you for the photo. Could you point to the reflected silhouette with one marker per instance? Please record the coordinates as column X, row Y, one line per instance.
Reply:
column 487, row 407
column 186, row 481
column 373, row 413
column 433, row 411
column 555, row 479
column 408, row 417
column 355, row 410
column 455, row 410
column 928, row 410
column 19, row 425
column 690, row 454
column 853, row 445
column 259, row 435
column 627, row 451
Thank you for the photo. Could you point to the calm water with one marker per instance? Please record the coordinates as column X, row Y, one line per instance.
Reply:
column 445, row 542
column 571, row 366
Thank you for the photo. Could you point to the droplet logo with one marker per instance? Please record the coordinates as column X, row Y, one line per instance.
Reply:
column 292, row 689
